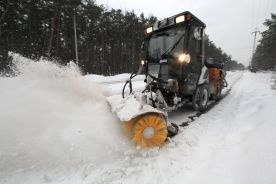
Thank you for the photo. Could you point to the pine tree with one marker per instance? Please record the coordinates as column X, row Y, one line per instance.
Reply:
column 265, row 55
column 109, row 41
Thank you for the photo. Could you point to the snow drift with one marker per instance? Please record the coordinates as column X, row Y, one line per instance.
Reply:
column 53, row 120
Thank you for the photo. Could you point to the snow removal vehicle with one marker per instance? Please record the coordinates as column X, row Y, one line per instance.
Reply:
column 176, row 73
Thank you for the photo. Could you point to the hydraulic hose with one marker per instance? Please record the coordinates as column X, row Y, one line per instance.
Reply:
column 130, row 84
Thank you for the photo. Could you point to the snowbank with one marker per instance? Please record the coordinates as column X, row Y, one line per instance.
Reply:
column 54, row 122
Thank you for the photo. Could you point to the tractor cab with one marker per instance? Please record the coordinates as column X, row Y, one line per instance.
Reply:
column 173, row 51
column 176, row 74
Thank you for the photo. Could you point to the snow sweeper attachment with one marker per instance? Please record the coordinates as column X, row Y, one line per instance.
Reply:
column 176, row 73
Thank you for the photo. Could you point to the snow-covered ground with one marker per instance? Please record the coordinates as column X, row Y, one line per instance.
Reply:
column 115, row 84
column 56, row 127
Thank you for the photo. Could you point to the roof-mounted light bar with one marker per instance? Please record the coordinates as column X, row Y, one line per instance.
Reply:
column 149, row 30
column 171, row 21
column 179, row 19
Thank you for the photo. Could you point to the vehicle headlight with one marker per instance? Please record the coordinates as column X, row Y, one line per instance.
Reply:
column 142, row 62
column 186, row 58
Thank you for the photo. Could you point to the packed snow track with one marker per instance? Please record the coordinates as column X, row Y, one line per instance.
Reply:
column 56, row 127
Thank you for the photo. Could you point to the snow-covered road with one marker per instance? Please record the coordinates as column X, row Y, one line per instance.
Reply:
column 56, row 127
column 235, row 142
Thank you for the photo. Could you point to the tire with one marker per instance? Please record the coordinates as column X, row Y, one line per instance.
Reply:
column 195, row 102
column 201, row 98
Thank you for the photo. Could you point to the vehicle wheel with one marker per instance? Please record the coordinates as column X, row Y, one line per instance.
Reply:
column 201, row 98
column 195, row 102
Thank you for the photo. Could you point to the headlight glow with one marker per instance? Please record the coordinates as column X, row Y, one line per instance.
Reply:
column 184, row 58
column 142, row 62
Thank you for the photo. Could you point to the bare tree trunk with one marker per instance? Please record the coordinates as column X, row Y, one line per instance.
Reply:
column 53, row 29
column 132, row 54
column 57, row 32
column 2, row 18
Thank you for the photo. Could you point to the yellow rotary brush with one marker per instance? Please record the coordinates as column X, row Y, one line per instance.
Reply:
column 147, row 130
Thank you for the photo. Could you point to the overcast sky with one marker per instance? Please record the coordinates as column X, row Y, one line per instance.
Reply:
column 230, row 23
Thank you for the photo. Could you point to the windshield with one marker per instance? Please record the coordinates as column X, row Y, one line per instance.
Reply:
column 163, row 42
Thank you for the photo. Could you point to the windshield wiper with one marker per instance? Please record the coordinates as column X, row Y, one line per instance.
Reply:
column 172, row 47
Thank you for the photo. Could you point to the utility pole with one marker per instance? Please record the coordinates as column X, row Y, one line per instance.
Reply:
column 75, row 37
column 254, row 43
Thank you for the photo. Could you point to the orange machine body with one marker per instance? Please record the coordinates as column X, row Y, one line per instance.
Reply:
column 214, row 79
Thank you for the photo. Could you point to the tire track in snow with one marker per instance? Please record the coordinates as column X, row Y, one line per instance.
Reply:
column 193, row 116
